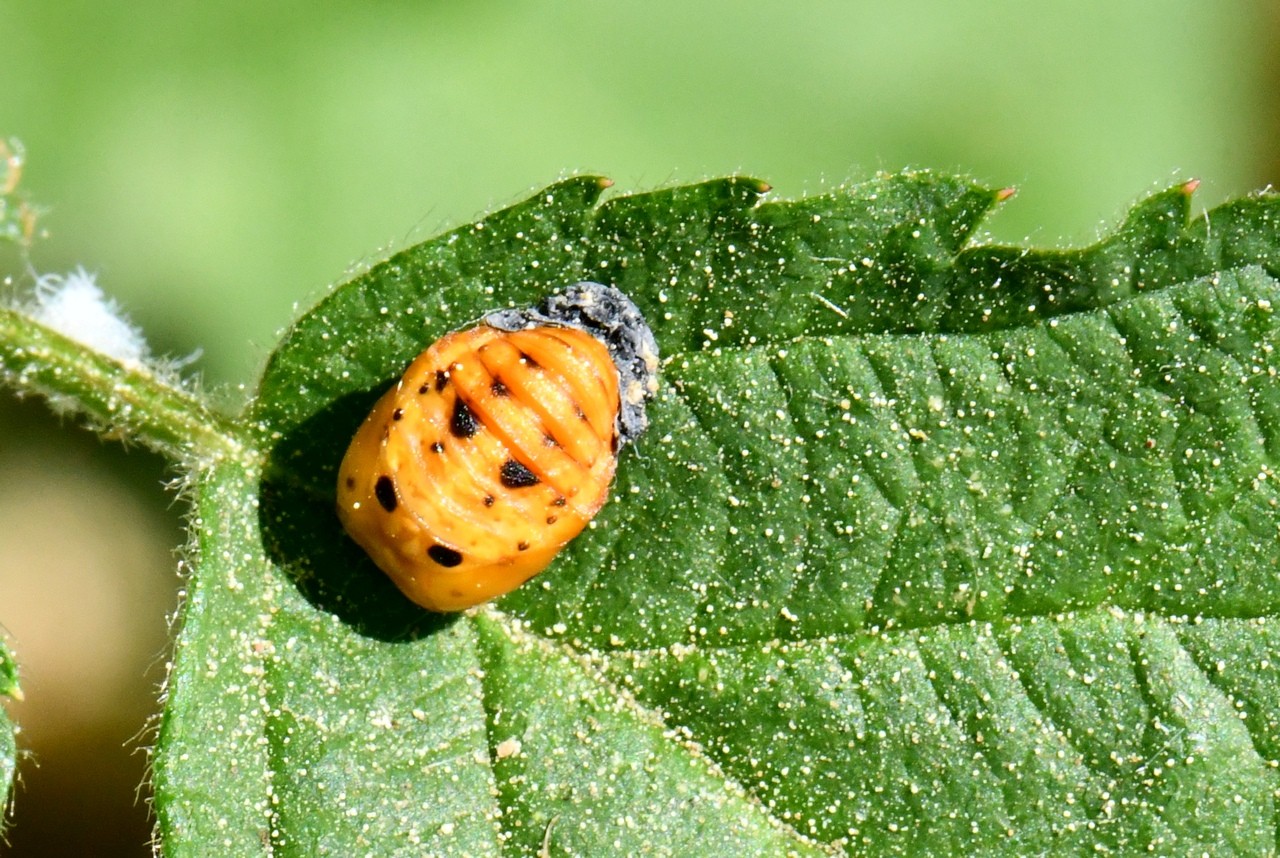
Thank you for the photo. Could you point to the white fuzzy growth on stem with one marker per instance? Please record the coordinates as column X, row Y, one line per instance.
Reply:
column 75, row 307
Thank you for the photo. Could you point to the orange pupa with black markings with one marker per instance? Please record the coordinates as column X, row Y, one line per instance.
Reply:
column 498, row 446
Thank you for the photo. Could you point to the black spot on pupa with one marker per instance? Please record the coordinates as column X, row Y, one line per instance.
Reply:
column 385, row 491
column 551, row 519
column 559, row 502
column 529, row 362
column 522, row 546
column 488, row 500
column 351, row 482
column 548, row 441
column 442, row 379
column 582, row 415
column 444, row 555
column 517, row 476
column 437, row 447
column 423, row 389
column 498, row 388
column 463, row 423
column 398, row 414
column 613, row 444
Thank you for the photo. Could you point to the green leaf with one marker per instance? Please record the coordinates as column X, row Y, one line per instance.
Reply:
column 8, row 745
column 931, row 547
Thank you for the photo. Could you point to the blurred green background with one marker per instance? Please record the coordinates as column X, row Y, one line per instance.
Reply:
column 220, row 165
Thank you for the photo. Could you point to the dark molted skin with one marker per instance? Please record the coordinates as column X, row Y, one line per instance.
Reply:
column 611, row 317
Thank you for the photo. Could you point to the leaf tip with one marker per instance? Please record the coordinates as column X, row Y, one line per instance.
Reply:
column 1005, row 193
column 763, row 187
column 603, row 182
column 1189, row 187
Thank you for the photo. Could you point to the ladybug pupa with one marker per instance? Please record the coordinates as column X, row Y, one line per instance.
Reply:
column 498, row 445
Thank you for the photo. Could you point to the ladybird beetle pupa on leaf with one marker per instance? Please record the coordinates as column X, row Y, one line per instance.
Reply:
column 498, row 445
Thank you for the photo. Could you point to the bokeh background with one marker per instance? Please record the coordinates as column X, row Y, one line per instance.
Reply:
column 220, row 165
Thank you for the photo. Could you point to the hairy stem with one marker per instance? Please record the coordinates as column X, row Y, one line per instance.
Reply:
column 135, row 402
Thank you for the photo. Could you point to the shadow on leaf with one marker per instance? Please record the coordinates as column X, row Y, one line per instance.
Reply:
column 302, row 534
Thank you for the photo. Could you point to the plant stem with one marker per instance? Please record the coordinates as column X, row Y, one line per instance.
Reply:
column 134, row 402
